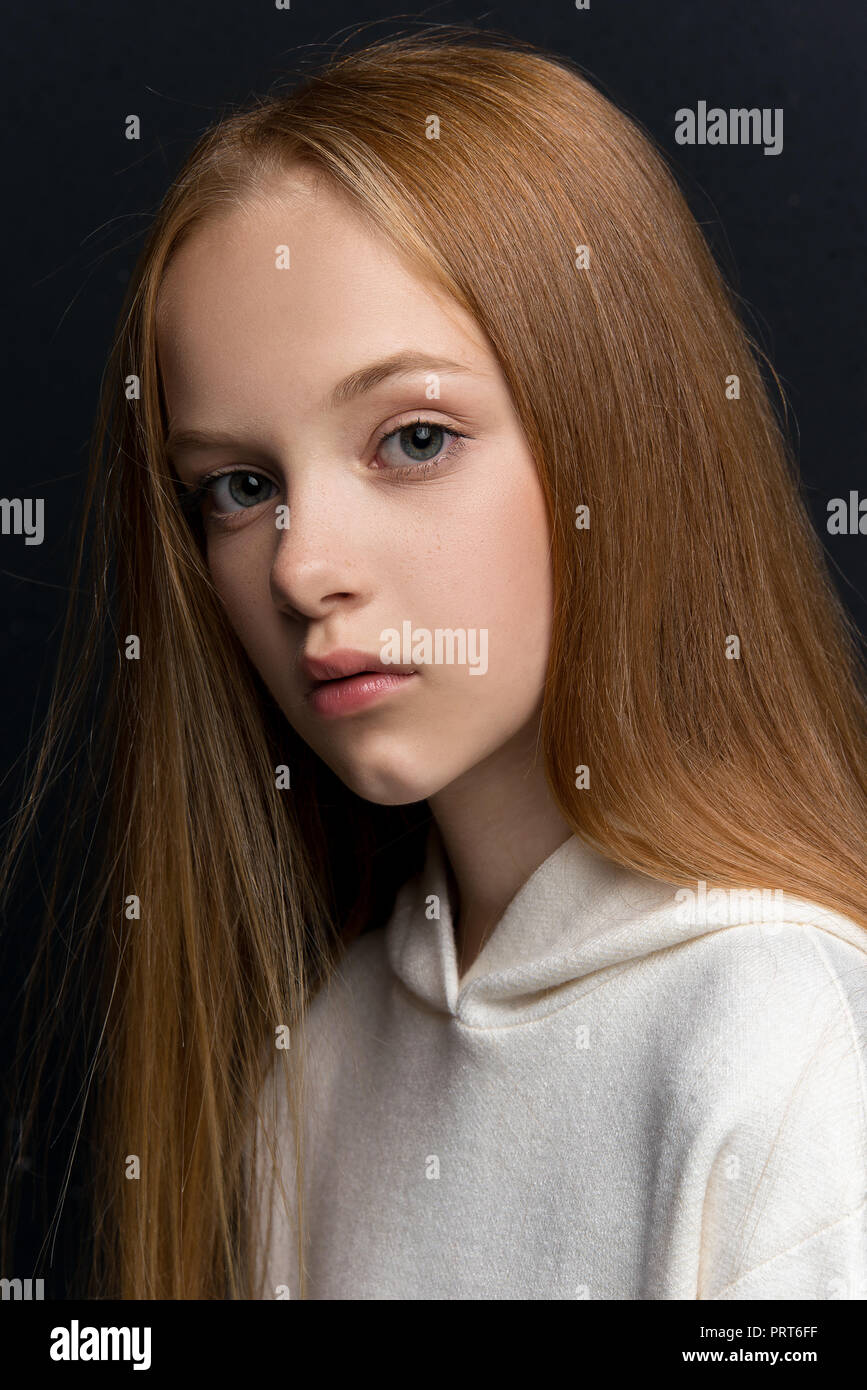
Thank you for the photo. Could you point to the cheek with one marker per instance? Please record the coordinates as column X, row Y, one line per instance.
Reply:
column 525, row 562
column 499, row 571
column 241, row 578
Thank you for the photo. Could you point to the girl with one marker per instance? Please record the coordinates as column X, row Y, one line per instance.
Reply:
column 483, row 893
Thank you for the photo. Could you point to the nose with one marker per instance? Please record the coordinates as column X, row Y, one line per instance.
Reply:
column 318, row 555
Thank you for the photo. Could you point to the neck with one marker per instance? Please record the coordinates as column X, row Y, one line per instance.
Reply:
column 498, row 823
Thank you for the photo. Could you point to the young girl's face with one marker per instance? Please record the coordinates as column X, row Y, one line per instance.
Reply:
column 429, row 546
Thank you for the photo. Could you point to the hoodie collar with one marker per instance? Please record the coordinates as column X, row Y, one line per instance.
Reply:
column 577, row 914
column 568, row 919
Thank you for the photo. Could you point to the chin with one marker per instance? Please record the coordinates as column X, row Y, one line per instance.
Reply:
column 388, row 779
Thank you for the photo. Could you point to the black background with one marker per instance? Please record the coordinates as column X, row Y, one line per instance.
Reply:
column 787, row 229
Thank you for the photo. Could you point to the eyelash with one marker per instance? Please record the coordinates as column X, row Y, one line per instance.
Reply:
column 415, row 470
column 194, row 497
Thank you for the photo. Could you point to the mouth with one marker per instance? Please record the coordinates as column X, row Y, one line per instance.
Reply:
column 344, row 695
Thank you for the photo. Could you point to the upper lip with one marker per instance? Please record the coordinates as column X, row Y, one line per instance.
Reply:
column 344, row 662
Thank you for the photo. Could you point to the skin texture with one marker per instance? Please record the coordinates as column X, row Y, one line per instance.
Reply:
column 254, row 351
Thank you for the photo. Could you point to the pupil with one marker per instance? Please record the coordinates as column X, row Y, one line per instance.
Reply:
column 421, row 437
column 241, row 481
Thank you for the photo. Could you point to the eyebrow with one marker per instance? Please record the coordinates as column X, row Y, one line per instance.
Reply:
column 399, row 364
column 356, row 384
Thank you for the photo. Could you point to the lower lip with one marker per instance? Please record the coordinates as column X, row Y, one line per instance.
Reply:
column 356, row 692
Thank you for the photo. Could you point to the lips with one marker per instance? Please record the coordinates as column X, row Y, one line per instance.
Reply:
column 345, row 682
column 345, row 662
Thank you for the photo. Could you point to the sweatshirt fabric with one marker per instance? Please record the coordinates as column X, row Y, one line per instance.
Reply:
column 633, row 1093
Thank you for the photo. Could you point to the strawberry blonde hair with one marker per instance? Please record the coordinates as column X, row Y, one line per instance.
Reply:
column 740, row 772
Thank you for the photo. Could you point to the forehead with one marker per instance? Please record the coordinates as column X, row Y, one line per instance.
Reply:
column 291, row 291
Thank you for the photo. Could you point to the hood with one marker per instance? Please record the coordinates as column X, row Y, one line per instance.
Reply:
column 577, row 914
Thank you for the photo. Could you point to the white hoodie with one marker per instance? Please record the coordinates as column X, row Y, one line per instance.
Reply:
column 615, row 1102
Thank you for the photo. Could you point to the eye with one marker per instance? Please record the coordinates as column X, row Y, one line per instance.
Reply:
column 417, row 447
column 235, row 491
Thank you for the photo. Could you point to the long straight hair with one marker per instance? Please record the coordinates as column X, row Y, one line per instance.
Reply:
column 702, row 667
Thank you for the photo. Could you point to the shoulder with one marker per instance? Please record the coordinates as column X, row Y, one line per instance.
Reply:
column 787, row 1009
column 778, row 983
column 360, row 964
column 758, row 1032
column 341, row 1018
column 771, row 1089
